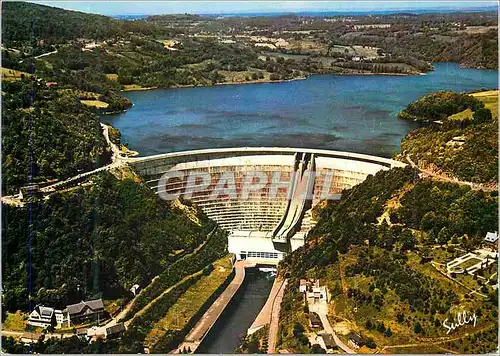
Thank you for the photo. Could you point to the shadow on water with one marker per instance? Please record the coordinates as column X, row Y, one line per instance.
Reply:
column 239, row 315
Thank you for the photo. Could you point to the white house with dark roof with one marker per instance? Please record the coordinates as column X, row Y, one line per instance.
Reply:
column 84, row 311
column 491, row 237
column 45, row 316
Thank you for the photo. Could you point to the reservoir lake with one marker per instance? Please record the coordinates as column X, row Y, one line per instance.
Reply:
column 354, row 113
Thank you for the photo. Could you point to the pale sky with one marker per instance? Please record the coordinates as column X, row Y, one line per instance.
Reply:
column 220, row 7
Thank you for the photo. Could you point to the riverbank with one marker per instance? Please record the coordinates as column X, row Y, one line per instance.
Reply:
column 382, row 74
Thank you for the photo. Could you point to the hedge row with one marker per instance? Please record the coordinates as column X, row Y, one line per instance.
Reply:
column 172, row 338
column 159, row 308
column 214, row 248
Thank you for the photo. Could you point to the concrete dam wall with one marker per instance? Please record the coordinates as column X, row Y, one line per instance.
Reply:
column 250, row 191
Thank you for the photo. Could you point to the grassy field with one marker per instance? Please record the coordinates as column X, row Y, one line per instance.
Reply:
column 132, row 87
column 168, row 43
column 82, row 94
column 189, row 303
column 87, row 98
column 490, row 100
column 95, row 103
column 462, row 115
column 11, row 75
column 112, row 76
column 14, row 322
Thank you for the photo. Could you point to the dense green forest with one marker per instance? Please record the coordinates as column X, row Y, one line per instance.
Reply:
column 47, row 135
column 54, row 25
column 353, row 220
column 478, row 158
column 104, row 238
column 429, row 37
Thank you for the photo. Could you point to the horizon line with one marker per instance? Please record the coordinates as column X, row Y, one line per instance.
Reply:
column 429, row 7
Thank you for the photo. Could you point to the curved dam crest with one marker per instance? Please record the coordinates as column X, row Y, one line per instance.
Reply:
column 266, row 223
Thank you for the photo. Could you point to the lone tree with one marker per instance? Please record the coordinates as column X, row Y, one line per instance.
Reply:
column 418, row 328
column 482, row 116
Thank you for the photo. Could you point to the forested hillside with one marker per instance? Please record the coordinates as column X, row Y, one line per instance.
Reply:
column 382, row 250
column 476, row 50
column 464, row 144
column 47, row 134
column 354, row 219
column 93, row 242
column 373, row 249
column 54, row 25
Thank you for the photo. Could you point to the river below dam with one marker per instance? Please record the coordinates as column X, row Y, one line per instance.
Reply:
column 354, row 113
column 227, row 333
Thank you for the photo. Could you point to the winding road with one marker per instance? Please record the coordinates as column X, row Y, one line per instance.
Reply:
column 442, row 178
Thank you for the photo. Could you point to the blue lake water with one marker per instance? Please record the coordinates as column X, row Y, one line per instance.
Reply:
column 349, row 113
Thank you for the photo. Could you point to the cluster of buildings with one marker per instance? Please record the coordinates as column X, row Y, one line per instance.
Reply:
column 472, row 262
column 79, row 313
column 93, row 333
column 313, row 290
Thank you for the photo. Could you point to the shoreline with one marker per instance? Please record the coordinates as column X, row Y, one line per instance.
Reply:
column 260, row 81
column 382, row 74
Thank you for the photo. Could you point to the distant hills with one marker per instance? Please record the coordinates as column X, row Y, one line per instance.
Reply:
column 344, row 13
column 54, row 24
